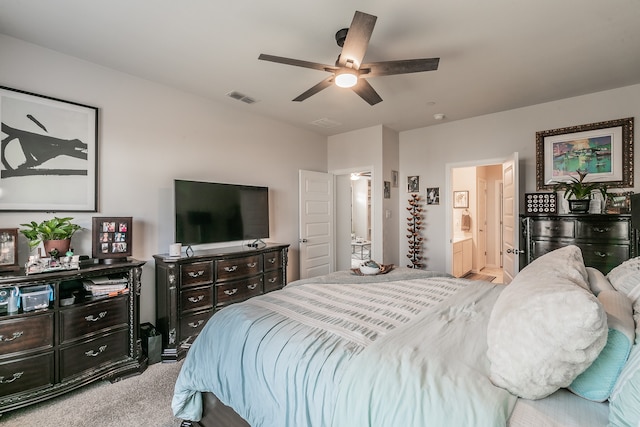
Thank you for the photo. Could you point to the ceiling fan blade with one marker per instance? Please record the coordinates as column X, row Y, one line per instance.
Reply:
column 315, row 89
column 367, row 92
column 389, row 68
column 297, row 62
column 355, row 45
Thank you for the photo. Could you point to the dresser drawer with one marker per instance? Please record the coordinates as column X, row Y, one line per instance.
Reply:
column 196, row 299
column 541, row 247
column 604, row 256
column 273, row 280
column 238, row 290
column 552, row 228
column 198, row 273
column 235, row 268
column 603, row 231
column 86, row 319
column 26, row 333
column 28, row 373
column 191, row 325
column 92, row 353
column 272, row 260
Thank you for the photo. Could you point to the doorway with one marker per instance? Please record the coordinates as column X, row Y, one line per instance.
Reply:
column 480, row 221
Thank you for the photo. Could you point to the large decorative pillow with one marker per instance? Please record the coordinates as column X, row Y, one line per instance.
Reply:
column 626, row 279
column 624, row 403
column 597, row 281
column 546, row 327
column 596, row 383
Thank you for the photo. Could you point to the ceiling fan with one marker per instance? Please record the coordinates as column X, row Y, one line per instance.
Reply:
column 349, row 71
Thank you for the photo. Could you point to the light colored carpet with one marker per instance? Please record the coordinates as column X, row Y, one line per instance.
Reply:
column 143, row 400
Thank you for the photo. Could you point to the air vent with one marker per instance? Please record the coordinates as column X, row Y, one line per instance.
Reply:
column 326, row 123
column 241, row 97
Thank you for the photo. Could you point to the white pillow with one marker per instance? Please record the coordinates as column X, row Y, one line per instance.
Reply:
column 626, row 279
column 597, row 281
column 546, row 327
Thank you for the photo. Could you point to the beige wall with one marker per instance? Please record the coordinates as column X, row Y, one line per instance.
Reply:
column 427, row 151
column 150, row 134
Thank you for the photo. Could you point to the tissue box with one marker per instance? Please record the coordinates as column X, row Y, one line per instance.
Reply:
column 36, row 297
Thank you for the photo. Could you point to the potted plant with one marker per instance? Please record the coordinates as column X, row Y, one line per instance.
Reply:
column 55, row 234
column 578, row 192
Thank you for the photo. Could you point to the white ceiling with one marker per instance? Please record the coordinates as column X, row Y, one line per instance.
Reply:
column 495, row 55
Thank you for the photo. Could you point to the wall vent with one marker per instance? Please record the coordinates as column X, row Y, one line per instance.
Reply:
column 241, row 97
column 326, row 123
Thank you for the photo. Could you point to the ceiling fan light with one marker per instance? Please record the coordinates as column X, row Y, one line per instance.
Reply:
column 346, row 78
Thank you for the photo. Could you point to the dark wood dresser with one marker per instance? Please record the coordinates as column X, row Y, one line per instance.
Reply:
column 189, row 289
column 49, row 351
column 605, row 240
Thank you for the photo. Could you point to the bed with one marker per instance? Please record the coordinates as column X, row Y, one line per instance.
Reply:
column 416, row 348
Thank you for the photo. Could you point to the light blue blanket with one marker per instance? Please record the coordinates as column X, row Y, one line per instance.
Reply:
column 432, row 372
column 280, row 359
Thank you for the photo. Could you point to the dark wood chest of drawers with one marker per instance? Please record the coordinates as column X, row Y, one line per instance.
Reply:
column 189, row 289
column 605, row 240
column 47, row 352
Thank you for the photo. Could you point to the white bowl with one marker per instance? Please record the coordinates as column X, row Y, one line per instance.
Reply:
column 364, row 269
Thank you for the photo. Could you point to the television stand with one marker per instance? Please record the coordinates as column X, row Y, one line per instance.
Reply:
column 190, row 289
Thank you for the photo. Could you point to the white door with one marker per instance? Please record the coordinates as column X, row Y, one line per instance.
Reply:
column 482, row 225
column 316, row 220
column 510, row 223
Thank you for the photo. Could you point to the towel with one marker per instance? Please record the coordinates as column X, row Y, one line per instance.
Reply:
column 466, row 222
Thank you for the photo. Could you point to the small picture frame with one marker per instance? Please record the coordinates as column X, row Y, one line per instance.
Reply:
column 9, row 249
column 433, row 195
column 394, row 178
column 111, row 238
column 461, row 199
column 413, row 184
column 387, row 190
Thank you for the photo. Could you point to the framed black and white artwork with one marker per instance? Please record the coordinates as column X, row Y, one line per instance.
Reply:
column 49, row 154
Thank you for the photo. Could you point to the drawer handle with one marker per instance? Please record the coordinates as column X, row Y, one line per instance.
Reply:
column 196, row 299
column 91, row 318
column 253, row 286
column 231, row 292
column 230, row 269
column 196, row 325
column 552, row 228
column 600, row 230
column 15, row 377
column 252, row 264
column 601, row 254
column 194, row 274
column 13, row 336
column 92, row 353
column 272, row 260
column 272, row 280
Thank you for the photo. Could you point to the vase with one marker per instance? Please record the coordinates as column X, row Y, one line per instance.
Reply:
column 62, row 246
column 579, row 205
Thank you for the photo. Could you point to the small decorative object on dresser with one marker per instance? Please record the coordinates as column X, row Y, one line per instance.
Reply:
column 190, row 289
column 541, row 203
column 9, row 249
column 54, row 234
column 579, row 192
column 112, row 238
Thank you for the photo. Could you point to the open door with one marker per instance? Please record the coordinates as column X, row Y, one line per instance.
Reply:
column 316, row 222
column 510, row 214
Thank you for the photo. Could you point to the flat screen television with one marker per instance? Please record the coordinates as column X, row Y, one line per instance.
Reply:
column 209, row 212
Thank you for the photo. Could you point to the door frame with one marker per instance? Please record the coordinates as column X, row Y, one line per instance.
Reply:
column 375, row 236
column 448, row 198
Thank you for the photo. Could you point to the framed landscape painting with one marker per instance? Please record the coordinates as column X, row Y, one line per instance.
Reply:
column 49, row 153
column 604, row 150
